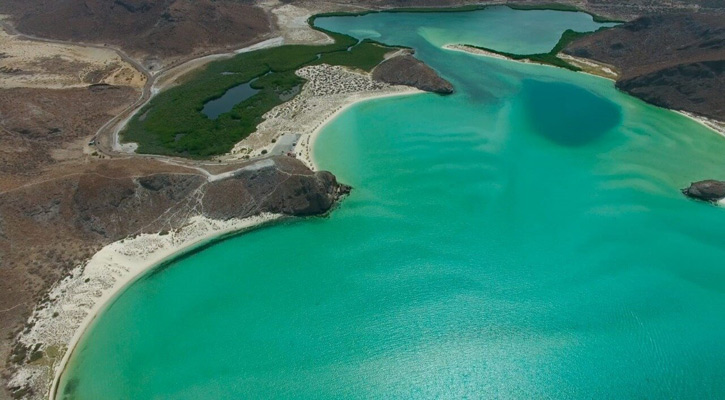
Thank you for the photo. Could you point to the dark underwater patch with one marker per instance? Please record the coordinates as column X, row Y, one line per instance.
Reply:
column 568, row 115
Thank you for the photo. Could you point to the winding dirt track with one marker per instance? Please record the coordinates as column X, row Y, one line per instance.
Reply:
column 106, row 138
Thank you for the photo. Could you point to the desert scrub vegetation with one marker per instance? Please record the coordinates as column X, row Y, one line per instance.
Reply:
column 172, row 123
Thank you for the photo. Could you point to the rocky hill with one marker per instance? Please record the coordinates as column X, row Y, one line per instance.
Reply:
column 673, row 60
column 63, row 221
column 144, row 28
column 409, row 71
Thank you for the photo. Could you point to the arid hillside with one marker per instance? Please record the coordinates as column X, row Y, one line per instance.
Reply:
column 48, row 227
column 674, row 60
column 143, row 28
column 60, row 200
column 41, row 127
column 625, row 10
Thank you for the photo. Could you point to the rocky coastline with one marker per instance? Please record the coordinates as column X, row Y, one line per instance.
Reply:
column 409, row 71
column 139, row 222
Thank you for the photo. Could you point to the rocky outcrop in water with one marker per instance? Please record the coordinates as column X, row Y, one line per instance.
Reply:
column 409, row 71
column 709, row 190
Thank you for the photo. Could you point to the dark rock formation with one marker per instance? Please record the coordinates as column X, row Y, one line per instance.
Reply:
column 673, row 60
column 694, row 87
column 409, row 71
column 710, row 190
column 278, row 185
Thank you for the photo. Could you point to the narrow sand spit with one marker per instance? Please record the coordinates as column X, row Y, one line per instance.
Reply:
column 57, row 325
column 591, row 68
column 479, row 52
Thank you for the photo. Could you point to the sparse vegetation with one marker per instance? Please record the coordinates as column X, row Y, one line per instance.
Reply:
column 35, row 356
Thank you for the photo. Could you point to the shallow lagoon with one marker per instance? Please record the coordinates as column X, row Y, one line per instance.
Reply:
column 523, row 238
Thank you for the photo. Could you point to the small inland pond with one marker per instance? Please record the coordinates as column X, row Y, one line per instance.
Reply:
column 214, row 108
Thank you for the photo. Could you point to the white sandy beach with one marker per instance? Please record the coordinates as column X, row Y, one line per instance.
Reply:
column 717, row 126
column 59, row 324
column 329, row 91
column 306, row 148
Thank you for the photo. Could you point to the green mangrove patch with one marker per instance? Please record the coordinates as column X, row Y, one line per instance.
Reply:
column 172, row 123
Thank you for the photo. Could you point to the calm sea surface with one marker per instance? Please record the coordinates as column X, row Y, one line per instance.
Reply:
column 524, row 238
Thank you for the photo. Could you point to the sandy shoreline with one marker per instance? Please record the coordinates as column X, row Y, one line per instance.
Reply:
column 714, row 125
column 58, row 325
column 598, row 70
column 308, row 146
column 481, row 52
column 73, row 304
column 588, row 67
column 312, row 137
column 329, row 91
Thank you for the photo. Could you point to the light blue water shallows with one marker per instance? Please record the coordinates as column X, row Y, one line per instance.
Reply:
column 524, row 238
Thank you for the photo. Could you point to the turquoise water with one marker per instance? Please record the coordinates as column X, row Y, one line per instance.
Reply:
column 523, row 238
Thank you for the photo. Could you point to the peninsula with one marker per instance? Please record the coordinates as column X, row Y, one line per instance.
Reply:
column 111, row 167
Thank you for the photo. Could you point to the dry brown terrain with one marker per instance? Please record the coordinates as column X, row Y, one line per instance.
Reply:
column 672, row 60
column 50, row 226
column 25, row 63
column 149, row 30
column 43, row 132
column 59, row 204
column 40, row 127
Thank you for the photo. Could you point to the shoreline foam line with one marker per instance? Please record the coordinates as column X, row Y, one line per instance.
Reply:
column 352, row 101
column 130, row 266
